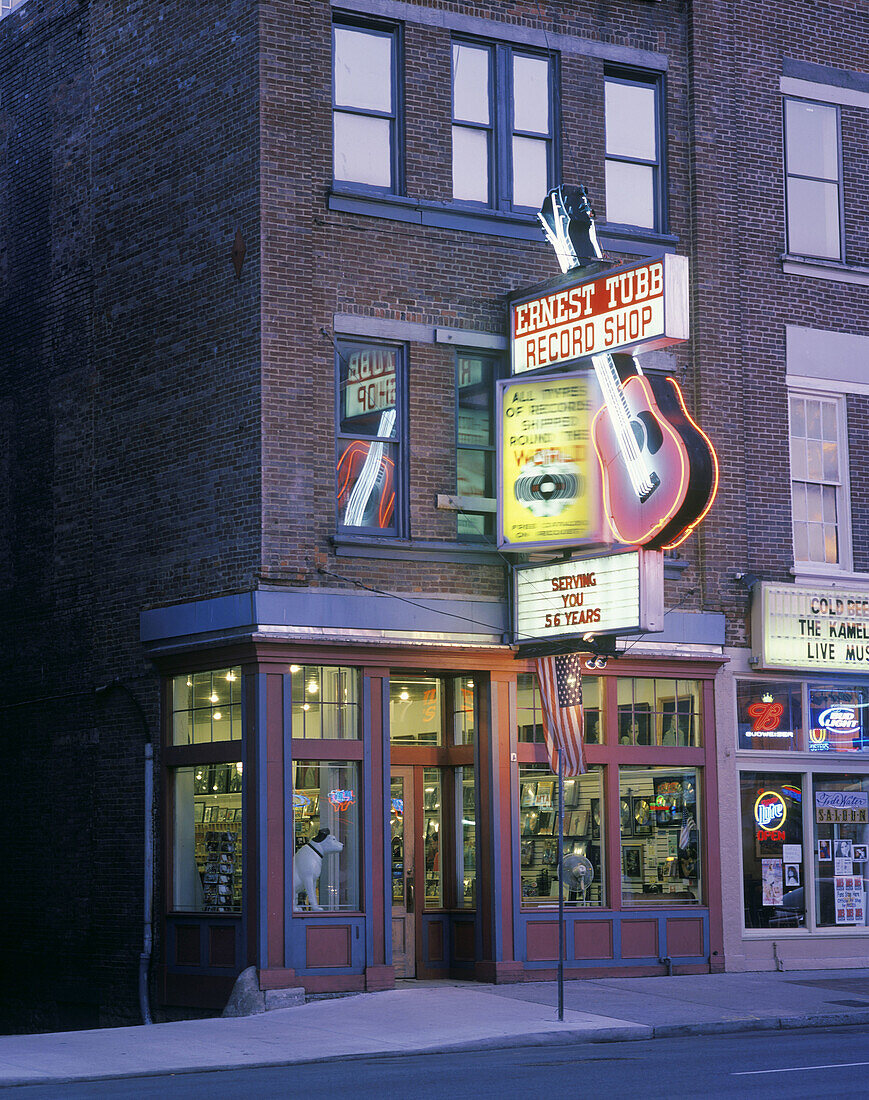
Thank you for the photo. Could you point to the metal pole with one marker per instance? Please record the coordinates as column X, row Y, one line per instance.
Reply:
column 560, row 884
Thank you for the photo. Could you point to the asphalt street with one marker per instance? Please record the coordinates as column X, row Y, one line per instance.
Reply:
column 820, row 1063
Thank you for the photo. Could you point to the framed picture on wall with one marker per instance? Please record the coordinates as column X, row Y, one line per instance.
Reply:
column 641, row 816
column 635, row 724
column 667, row 803
column 595, row 818
column 677, row 720
column 529, row 794
column 545, row 791
column 625, row 819
column 632, row 862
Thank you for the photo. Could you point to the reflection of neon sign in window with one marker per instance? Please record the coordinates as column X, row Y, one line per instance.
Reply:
column 398, row 806
column 300, row 801
column 342, row 800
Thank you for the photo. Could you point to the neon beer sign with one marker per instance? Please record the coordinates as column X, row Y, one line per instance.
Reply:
column 770, row 811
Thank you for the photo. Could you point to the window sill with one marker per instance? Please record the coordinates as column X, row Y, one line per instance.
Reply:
column 833, row 270
column 617, row 238
column 804, row 575
column 397, row 549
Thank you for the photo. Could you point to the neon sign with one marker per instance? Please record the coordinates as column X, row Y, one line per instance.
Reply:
column 300, row 801
column 342, row 800
column 770, row 811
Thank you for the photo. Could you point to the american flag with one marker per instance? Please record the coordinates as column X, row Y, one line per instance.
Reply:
column 688, row 826
column 560, row 683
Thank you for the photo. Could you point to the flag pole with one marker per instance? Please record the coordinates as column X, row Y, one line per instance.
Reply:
column 560, row 883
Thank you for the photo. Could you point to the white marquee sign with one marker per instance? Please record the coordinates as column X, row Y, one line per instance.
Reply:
column 614, row 594
column 814, row 628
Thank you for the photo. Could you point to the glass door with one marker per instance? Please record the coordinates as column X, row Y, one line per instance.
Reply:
column 402, row 864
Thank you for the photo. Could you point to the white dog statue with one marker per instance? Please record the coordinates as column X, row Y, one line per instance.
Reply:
column 307, row 865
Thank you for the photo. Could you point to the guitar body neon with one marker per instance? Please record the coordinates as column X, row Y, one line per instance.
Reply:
column 678, row 460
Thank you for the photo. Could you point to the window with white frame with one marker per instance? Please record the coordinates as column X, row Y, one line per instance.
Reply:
column 503, row 108
column 365, row 109
column 813, row 179
column 818, row 489
column 634, row 194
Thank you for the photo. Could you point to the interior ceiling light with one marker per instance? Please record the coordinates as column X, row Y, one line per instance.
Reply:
column 313, row 687
column 231, row 676
column 217, row 716
column 404, row 694
column 295, row 668
column 306, row 706
column 214, row 697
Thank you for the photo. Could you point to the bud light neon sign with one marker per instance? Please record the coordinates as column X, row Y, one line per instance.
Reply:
column 770, row 810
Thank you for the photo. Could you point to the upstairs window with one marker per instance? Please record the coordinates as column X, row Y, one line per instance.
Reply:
column 370, row 429
column 633, row 151
column 503, row 108
column 818, row 495
column 365, row 113
column 475, row 438
column 813, row 179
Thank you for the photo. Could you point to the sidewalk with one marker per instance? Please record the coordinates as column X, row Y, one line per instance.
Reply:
column 429, row 1016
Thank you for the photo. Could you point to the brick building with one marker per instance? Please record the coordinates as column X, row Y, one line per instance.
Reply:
column 254, row 270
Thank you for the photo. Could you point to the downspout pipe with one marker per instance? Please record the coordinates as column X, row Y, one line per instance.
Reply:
column 148, row 906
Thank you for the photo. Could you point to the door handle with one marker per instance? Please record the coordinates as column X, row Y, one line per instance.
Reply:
column 410, row 895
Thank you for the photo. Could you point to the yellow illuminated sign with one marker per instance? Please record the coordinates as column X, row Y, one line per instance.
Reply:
column 546, row 496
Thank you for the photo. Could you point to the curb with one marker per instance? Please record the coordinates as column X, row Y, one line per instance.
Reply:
column 626, row 1033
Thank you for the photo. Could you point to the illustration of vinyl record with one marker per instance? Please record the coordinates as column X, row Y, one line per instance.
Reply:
column 546, row 489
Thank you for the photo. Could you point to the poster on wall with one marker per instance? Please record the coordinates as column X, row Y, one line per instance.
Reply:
column 850, row 899
column 548, row 494
column 842, row 808
column 773, row 892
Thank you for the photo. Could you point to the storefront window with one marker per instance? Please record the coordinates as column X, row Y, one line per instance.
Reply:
column 206, row 707
column 659, row 811
column 466, row 861
column 772, row 850
column 531, row 721
column 769, row 715
column 415, row 710
column 841, row 817
column 584, row 842
column 837, row 719
column 432, row 834
column 325, row 702
column 464, row 710
column 207, row 870
column 326, row 813
column 658, row 712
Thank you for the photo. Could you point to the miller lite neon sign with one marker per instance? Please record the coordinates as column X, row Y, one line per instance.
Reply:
column 770, row 811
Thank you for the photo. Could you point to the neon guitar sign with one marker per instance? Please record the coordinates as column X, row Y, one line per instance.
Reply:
column 659, row 469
